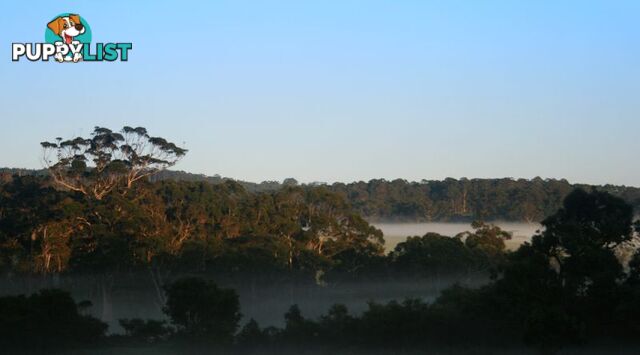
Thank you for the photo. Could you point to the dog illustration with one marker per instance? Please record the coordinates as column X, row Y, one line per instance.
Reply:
column 67, row 27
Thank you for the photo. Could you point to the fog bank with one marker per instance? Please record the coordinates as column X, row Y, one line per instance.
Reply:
column 395, row 233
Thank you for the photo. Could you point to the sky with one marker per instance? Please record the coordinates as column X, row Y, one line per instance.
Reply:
column 344, row 90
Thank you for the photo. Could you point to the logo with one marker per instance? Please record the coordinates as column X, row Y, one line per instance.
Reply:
column 68, row 40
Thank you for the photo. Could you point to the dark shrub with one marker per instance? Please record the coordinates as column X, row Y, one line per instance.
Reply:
column 199, row 308
column 149, row 330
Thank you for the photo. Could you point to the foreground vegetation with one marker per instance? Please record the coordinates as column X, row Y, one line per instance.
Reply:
column 448, row 200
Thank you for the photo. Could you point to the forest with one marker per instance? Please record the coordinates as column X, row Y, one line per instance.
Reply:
column 98, row 218
column 448, row 200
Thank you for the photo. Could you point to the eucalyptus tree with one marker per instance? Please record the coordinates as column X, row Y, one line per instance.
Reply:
column 107, row 160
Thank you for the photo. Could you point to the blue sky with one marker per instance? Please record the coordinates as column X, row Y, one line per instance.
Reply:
column 344, row 90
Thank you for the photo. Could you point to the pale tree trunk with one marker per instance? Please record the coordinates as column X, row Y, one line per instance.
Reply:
column 106, row 290
column 464, row 200
column 156, row 277
column 290, row 260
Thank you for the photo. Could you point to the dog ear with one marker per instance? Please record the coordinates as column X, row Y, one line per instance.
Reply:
column 75, row 19
column 56, row 25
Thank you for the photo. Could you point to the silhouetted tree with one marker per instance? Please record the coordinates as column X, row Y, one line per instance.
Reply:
column 147, row 331
column 564, row 286
column 432, row 255
column 200, row 309
column 252, row 336
column 487, row 243
column 298, row 330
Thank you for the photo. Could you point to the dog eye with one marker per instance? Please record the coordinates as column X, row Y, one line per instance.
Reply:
column 71, row 23
column 65, row 26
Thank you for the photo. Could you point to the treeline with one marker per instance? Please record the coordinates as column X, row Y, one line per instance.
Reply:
column 467, row 199
column 449, row 200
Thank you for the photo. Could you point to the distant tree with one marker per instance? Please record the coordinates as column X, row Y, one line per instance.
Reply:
column 200, row 309
column 486, row 242
column 431, row 255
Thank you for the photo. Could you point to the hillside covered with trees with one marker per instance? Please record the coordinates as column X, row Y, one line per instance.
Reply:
column 568, row 288
column 467, row 199
column 449, row 200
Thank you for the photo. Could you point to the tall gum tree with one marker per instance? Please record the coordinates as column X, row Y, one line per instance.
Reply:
column 103, row 164
column 108, row 161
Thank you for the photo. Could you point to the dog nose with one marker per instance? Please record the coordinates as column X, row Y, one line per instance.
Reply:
column 79, row 27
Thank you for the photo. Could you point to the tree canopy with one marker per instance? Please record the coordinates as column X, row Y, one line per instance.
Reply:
column 108, row 160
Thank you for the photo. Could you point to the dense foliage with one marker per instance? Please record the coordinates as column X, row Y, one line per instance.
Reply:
column 444, row 200
column 97, row 211
column 200, row 309
column 466, row 199
column 506, row 199
column 434, row 254
column 182, row 227
column 177, row 225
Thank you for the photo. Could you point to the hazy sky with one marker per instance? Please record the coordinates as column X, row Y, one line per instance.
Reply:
column 344, row 90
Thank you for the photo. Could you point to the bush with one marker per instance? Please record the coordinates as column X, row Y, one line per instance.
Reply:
column 149, row 330
column 252, row 336
column 200, row 309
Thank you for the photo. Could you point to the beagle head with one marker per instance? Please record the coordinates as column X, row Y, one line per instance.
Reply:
column 67, row 27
